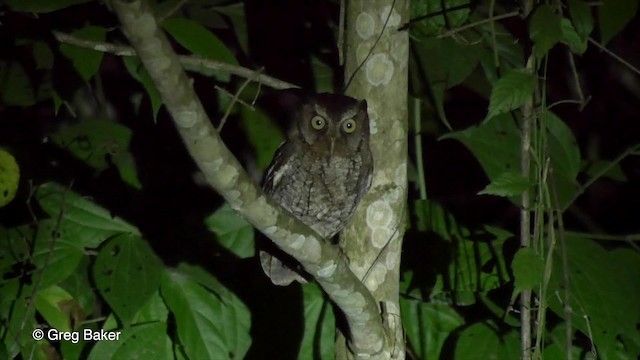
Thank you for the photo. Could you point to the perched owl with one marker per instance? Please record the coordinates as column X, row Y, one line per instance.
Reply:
column 320, row 172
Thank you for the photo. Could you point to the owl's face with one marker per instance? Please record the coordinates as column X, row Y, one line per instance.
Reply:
column 332, row 124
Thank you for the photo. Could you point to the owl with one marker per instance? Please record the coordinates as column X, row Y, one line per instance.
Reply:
column 320, row 172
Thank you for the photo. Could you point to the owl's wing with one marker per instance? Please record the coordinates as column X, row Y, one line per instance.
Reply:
column 274, row 171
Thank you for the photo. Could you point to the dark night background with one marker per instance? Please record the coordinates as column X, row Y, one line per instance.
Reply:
column 283, row 36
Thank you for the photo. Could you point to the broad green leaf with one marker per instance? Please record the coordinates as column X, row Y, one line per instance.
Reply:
column 15, row 88
column 581, row 18
column 459, row 59
column 199, row 40
column 572, row 39
column 507, row 184
column 46, row 253
column 127, row 273
column 545, row 29
column 153, row 310
column 495, row 143
column 322, row 75
column 565, row 158
column 431, row 25
column 236, row 13
column 263, row 134
column 432, row 217
column 146, row 341
column 233, row 232
column 93, row 140
column 209, row 325
column 479, row 341
column 57, row 307
column 126, row 164
column 9, row 177
column 92, row 222
column 474, row 267
column 598, row 168
column 614, row 15
column 603, row 290
column 428, row 325
column 510, row 92
column 42, row 55
column 319, row 325
column 42, row 6
column 79, row 286
column 138, row 72
column 528, row 269
column 85, row 61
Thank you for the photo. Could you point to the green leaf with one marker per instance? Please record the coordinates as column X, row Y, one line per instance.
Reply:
column 479, row 341
column 528, row 269
column 127, row 273
column 85, row 61
column 570, row 37
column 614, row 15
column 565, row 157
column 495, row 143
column 510, row 92
column 545, row 29
column 233, row 231
column 319, row 325
column 146, row 341
column 581, row 18
column 595, row 167
column 428, row 325
column 507, row 184
column 42, row 55
column 42, row 6
column 209, row 326
column 126, row 164
column 199, row 40
column 46, row 252
column 9, row 177
column 15, row 89
column 263, row 134
column 89, row 221
column 153, row 310
column 57, row 307
column 138, row 72
column 93, row 140
column 431, row 25
column 603, row 292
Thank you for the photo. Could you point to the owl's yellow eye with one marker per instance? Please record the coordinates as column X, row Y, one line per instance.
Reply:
column 318, row 122
column 349, row 126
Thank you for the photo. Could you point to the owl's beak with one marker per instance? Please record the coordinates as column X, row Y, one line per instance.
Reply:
column 333, row 143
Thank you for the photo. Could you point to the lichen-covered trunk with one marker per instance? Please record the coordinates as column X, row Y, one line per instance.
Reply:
column 376, row 56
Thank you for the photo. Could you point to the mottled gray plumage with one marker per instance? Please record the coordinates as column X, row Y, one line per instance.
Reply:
column 321, row 171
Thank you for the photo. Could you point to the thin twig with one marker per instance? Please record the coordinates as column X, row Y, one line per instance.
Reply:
column 478, row 23
column 496, row 56
column 614, row 55
column 525, row 216
column 341, row 33
column 171, row 11
column 193, row 61
column 236, row 98
column 631, row 150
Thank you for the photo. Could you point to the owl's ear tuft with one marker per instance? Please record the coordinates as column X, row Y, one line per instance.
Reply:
column 362, row 105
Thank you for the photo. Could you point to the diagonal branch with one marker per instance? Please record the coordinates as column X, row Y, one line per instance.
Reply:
column 190, row 61
column 225, row 174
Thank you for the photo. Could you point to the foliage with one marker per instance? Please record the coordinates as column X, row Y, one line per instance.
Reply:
column 74, row 260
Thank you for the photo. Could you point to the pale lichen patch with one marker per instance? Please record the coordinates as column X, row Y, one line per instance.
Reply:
column 365, row 25
column 379, row 69
column 393, row 18
column 298, row 242
column 227, row 175
column 186, row 118
column 380, row 237
column 327, row 270
column 379, row 213
column 270, row 230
